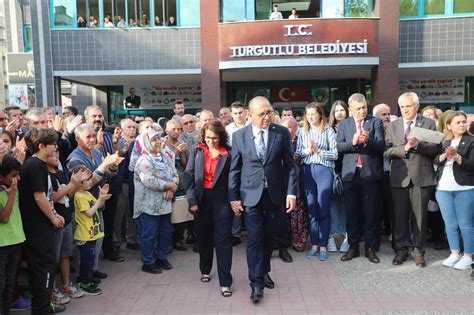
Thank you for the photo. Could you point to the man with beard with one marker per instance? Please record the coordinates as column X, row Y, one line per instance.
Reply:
column 173, row 130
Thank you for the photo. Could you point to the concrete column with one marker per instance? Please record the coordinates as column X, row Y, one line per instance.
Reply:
column 44, row 80
column 385, row 75
column 210, row 74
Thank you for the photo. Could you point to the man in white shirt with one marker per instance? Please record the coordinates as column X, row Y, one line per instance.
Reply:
column 276, row 15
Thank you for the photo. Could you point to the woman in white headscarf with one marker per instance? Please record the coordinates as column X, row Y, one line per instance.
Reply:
column 155, row 180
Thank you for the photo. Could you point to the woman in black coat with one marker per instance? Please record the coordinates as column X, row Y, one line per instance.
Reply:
column 455, row 190
column 206, row 179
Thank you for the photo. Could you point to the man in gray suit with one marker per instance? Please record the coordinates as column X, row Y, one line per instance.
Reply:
column 412, row 179
column 262, row 178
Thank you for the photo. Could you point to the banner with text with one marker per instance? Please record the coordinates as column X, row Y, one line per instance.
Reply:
column 156, row 96
column 441, row 90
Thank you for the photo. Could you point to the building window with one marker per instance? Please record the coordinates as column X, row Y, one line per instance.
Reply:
column 89, row 10
column 63, row 13
column 115, row 10
column 359, row 8
column 463, row 6
column 233, row 10
column 434, row 7
column 408, row 7
column 189, row 14
column 28, row 37
column 166, row 12
column 171, row 9
column 138, row 13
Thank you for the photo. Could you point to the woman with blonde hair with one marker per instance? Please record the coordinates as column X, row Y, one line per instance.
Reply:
column 455, row 190
column 316, row 147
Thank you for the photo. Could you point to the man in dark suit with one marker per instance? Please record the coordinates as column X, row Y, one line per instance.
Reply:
column 262, row 177
column 133, row 100
column 412, row 179
column 361, row 139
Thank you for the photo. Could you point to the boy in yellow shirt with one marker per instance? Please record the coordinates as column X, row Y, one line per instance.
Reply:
column 88, row 230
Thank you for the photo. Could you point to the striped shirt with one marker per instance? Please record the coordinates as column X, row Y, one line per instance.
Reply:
column 108, row 146
column 326, row 141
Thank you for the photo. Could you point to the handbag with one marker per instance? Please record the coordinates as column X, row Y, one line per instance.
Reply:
column 336, row 183
column 336, row 179
column 180, row 211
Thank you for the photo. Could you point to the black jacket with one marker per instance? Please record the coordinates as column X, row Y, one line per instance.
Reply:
column 194, row 178
column 464, row 173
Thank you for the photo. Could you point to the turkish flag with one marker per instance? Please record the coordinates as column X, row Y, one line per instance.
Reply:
column 290, row 93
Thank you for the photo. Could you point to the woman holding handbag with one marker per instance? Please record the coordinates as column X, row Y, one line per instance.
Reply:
column 206, row 179
column 339, row 112
column 316, row 147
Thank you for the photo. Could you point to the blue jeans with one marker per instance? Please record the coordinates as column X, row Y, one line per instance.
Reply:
column 338, row 216
column 316, row 181
column 155, row 236
column 456, row 209
column 88, row 253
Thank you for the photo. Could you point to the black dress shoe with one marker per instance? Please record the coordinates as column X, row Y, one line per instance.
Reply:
column 285, row 256
column 114, row 257
column 399, row 258
column 256, row 295
column 195, row 247
column 236, row 241
column 133, row 246
column 164, row 264
column 351, row 254
column 179, row 246
column 268, row 281
column 99, row 275
column 151, row 268
column 372, row 256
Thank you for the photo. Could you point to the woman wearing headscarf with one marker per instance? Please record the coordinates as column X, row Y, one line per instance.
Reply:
column 156, row 182
column 206, row 177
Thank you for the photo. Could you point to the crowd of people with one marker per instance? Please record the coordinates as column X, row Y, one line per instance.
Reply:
column 120, row 22
column 74, row 186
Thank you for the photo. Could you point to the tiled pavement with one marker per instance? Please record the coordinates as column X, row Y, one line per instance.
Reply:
column 302, row 287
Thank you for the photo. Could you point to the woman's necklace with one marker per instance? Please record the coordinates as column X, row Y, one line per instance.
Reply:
column 213, row 152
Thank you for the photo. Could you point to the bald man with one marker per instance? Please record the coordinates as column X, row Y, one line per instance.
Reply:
column 262, row 177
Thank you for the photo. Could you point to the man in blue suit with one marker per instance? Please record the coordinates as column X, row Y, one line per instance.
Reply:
column 262, row 178
column 361, row 140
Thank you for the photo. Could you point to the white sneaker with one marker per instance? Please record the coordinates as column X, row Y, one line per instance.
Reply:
column 59, row 298
column 464, row 263
column 332, row 245
column 344, row 246
column 451, row 260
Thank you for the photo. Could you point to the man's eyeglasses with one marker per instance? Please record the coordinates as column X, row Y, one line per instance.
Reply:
column 188, row 122
column 268, row 113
